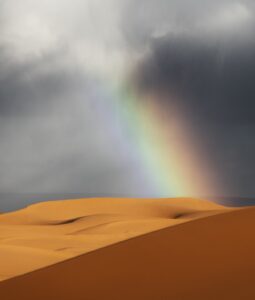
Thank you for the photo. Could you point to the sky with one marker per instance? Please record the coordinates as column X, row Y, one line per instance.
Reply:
column 61, row 130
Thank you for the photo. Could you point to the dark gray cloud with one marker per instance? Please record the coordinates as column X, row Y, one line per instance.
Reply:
column 213, row 80
column 54, row 137
column 52, row 131
column 32, row 86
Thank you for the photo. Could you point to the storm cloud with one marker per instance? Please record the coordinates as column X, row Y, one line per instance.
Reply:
column 211, row 69
column 52, row 54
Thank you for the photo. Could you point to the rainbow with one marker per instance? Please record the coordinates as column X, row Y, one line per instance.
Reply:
column 169, row 154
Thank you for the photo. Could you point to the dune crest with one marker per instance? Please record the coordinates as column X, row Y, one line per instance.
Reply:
column 49, row 232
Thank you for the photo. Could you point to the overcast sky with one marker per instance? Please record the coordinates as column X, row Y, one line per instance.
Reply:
column 54, row 53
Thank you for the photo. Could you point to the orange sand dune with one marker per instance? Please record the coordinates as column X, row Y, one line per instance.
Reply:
column 207, row 258
column 50, row 232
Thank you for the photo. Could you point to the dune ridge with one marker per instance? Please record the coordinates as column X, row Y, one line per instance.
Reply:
column 49, row 232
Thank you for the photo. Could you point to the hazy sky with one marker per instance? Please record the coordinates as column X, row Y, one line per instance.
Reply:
column 54, row 53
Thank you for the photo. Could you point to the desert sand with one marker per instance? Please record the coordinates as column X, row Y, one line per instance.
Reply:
column 127, row 249
column 49, row 232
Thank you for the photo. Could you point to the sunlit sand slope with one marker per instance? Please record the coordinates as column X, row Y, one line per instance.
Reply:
column 208, row 258
column 50, row 232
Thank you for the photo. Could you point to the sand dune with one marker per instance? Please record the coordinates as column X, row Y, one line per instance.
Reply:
column 49, row 232
column 207, row 258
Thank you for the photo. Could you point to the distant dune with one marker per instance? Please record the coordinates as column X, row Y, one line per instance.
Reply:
column 127, row 249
